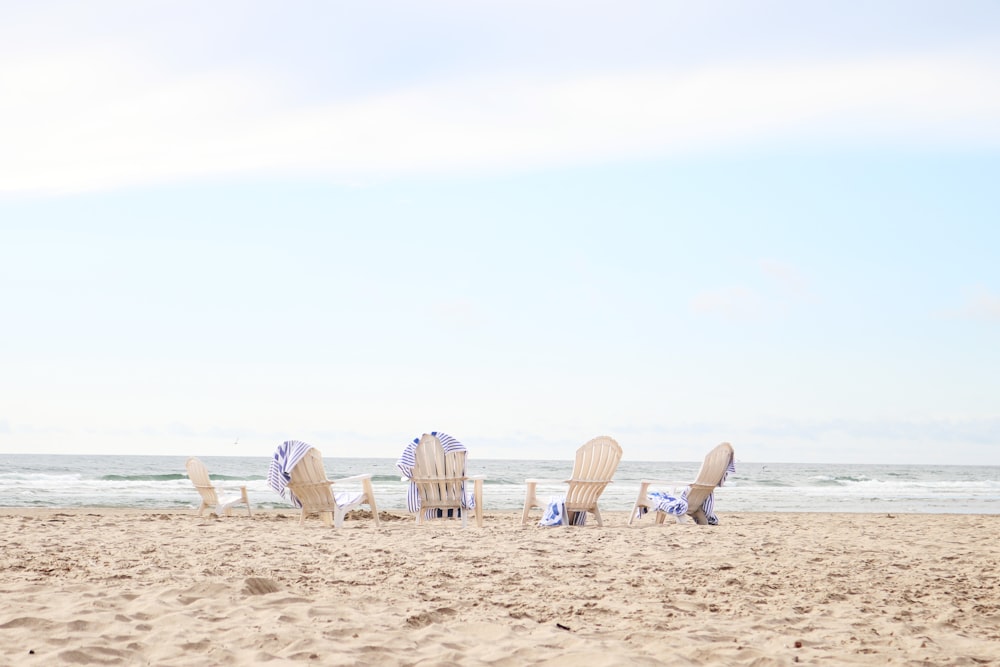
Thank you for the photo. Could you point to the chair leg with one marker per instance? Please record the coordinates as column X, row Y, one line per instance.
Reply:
column 640, row 501
column 597, row 515
column 529, row 502
column 566, row 516
column 246, row 500
column 478, row 491
column 366, row 485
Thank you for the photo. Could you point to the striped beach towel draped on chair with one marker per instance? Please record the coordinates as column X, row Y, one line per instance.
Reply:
column 279, row 472
column 408, row 460
column 661, row 501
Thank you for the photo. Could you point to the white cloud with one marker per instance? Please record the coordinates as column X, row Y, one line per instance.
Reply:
column 980, row 304
column 460, row 313
column 787, row 288
column 788, row 277
column 733, row 302
column 100, row 120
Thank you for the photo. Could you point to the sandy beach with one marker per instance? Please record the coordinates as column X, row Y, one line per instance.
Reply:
column 170, row 588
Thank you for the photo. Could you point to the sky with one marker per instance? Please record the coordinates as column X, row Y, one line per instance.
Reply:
column 225, row 225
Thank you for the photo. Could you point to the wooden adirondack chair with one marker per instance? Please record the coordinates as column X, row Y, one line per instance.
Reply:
column 595, row 466
column 198, row 474
column 440, row 478
column 309, row 484
column 713, row 470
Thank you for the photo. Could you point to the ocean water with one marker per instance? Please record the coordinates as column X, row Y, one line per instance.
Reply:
column 160, row 482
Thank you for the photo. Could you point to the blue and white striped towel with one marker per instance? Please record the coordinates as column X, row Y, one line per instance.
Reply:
column 407, row 461
column 556, row 515
column 286, row 456
column 661, row 501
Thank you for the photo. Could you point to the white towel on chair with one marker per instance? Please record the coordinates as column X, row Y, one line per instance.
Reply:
column 555, row 514
column 347, row 498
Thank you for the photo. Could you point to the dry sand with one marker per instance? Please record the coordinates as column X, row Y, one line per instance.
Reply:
column 168, row 588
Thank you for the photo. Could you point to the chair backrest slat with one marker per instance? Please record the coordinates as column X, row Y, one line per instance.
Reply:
column 713, row 468
column 309, row 483
column 710, row 475
column 595, row 466
column 198, row 474
column 697, row 495
column 438, row 475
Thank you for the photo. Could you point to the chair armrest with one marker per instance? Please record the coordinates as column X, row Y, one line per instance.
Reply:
column 475, row 478
column 669, row 483
column 544, row 481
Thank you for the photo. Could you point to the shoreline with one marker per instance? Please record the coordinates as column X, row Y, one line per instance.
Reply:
column 611, row 517
column 158, row 482
column 126, row 586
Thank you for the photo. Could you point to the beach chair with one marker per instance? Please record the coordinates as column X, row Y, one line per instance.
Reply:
column 310, row 486
column 711, row 475
column 596, row 462
column 439, row 479
column 198, row 474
